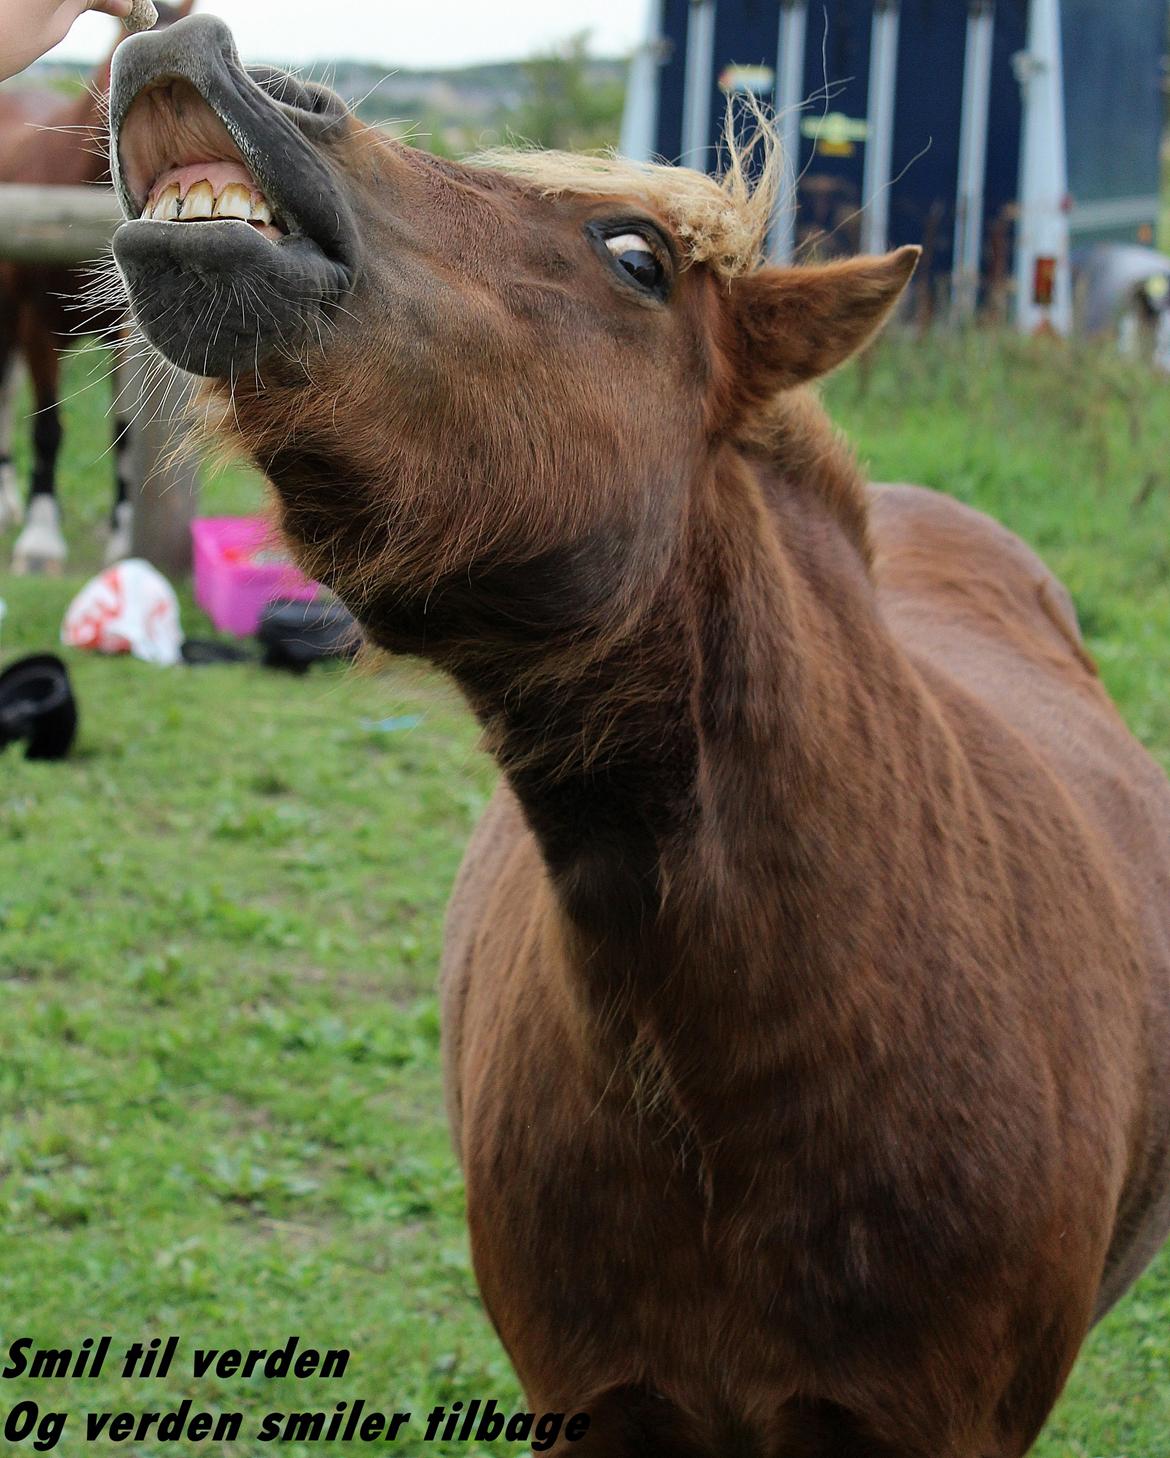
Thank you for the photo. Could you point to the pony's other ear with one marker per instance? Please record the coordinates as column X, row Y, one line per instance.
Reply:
column 792, row 325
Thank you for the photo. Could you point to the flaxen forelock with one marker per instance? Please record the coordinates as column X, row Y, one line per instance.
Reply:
column 720, row 221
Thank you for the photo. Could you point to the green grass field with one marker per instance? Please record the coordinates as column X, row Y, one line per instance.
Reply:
column 220, row 1112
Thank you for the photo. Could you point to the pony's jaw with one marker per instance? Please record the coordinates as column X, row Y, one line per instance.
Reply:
column 237, row 239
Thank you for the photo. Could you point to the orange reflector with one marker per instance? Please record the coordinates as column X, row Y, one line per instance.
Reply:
column 1044, row 284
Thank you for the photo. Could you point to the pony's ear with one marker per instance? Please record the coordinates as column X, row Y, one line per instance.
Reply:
column 792, row 325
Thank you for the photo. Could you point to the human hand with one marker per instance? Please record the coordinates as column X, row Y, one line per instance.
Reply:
column 29, row 28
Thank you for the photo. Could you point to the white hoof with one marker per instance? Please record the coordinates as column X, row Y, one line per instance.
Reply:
column 121, row 534
column 40, row 548
column 11, row 502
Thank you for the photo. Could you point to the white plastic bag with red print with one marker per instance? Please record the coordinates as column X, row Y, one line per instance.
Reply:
column 129, row 608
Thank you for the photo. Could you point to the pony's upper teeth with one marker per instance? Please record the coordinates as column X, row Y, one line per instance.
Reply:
column 166, row 205
column 235, row 201
column 199, row 202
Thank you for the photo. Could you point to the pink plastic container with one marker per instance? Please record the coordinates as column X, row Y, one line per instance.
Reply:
column 240, row 566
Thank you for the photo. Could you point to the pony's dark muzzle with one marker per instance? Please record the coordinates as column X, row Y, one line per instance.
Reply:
column 274, row 121
column 181, row 98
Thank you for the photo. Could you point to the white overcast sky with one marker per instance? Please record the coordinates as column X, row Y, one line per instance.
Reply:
column 399, row 32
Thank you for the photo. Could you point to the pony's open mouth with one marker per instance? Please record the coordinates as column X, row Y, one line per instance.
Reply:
column 237, row 233
column 177, row 155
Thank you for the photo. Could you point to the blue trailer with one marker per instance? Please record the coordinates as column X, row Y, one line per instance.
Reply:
column 997, row 134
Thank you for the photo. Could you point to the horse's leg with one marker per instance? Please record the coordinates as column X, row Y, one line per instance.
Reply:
column 11, row 506
column 41, row 545
column 122, row 518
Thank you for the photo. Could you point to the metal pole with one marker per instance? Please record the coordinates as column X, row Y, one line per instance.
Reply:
column 1043, row 273
column 879, row 152
column 165, row 471
column 640, row 116
column 696, row 138
column 973, row 159
column 790, row 99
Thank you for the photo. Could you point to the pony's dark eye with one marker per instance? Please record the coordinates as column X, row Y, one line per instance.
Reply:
column 632, row 253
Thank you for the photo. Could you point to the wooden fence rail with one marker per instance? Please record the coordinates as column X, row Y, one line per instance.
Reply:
column 65, row 225
column 73, row 225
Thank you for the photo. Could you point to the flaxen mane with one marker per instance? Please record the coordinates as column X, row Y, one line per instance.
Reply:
column 722, row 222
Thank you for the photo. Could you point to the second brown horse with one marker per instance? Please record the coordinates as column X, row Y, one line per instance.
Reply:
column 49, row 140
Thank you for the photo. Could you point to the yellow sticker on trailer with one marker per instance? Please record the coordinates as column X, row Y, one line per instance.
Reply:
column 835, row 135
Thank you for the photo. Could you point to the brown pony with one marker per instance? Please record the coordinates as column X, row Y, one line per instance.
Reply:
column 48, row 140
column 806, row 983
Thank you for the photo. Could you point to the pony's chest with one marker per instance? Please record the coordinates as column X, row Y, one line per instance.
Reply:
column 592, row 1230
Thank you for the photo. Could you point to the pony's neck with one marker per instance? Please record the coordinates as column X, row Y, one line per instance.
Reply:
column 707, row 794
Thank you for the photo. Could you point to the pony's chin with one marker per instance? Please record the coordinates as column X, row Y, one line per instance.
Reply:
column 219, row 298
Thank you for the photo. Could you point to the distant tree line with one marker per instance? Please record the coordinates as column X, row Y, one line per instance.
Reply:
column 562, row 98
column 568, row 106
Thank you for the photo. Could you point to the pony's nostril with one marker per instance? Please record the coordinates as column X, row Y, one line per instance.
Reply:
column 290, row 90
